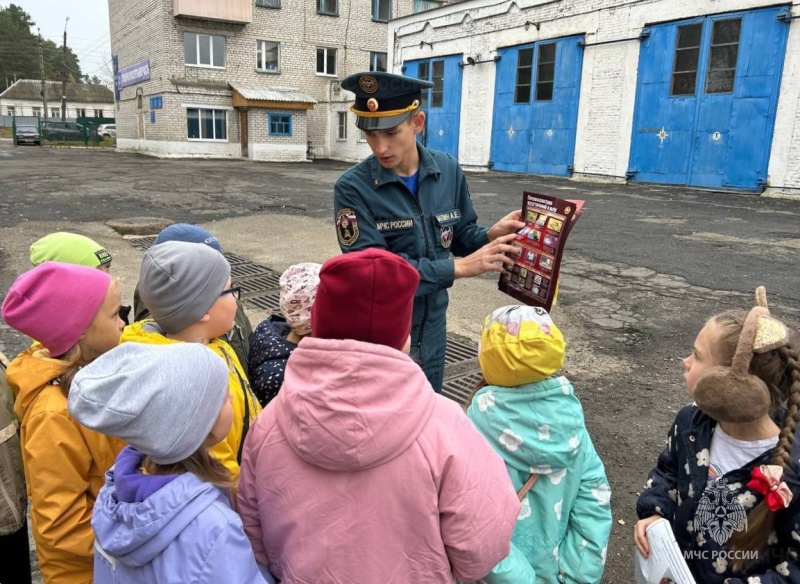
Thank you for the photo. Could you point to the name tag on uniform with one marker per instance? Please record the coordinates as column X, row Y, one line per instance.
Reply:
column 448, row 217
column 394, row 224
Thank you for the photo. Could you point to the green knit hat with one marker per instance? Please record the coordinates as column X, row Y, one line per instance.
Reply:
column 69, row 248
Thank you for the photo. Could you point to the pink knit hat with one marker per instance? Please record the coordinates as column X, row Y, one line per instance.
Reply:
column 55, row 303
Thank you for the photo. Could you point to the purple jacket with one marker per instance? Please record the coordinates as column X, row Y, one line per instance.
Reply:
column 172, row 529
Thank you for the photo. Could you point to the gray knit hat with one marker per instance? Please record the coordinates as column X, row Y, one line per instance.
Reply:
column 161, row 399
column 179, row 282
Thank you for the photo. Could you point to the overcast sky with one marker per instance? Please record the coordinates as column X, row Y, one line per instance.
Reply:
column 87, row 30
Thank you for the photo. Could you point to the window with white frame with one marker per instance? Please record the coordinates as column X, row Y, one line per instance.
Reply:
column 377, row 61
column 280, row 124
column 55, row 112
column 80, row 113
column 267, row 56
column 326, row 61
column 98, row 113
column 342, row 126
column 329, row 7
column 206, row 124
column 382, row 10
column 11, row 110
column 204, row 50
column 37, row 111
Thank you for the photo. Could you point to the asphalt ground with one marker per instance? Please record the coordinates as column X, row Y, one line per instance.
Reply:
column 644, row 268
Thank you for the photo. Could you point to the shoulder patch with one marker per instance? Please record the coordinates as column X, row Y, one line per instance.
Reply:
column 347, row 227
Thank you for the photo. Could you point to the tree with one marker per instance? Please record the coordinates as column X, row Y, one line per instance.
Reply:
column 20, row 51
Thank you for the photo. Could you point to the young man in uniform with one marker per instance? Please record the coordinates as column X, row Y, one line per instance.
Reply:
column 415, row 202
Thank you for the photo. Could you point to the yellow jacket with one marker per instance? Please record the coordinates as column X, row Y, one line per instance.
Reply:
column 65, row 466
column 227, row 451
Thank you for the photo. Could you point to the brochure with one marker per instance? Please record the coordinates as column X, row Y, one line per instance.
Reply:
column 533, row 279
column 665, row 564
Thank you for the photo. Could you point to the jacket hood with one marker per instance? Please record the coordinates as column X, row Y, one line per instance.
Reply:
column 136, row 533
column 146, row 331
column 347, row 405
column 541, row 422
column 28, row 374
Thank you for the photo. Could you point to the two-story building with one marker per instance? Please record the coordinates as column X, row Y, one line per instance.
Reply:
column 24, row 98
column 257, row 79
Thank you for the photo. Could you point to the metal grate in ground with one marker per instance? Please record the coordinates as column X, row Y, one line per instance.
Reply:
column 248, row 270
column 234, row 259
column 143, row 242
column 265, row 301
column 460, row 387
column 458, row 351
column 260, row 284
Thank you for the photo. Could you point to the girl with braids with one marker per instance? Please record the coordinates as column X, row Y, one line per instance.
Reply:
column 727, row 480
column 73, row 314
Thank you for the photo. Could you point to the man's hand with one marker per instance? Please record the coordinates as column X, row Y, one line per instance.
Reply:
column 490, row 258
column 511, row 223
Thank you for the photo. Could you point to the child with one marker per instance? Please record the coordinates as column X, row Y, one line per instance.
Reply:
column 277, row 336
column 72, row 248
column 535, row 422
column 358, row 471
column 72, row 311
column 164, row 514
column 727, row 480
column 238, row 337
column 187, row 287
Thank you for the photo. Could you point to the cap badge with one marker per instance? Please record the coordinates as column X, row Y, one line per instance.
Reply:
column 372, row 104
column 368, row 84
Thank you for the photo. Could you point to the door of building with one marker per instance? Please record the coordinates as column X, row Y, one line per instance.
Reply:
column 706, row 99
column 535, row 118
column 442, row 102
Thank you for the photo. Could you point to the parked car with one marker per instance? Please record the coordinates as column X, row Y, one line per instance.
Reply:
column 62, row 131
column 27, row 135
column 107, row 130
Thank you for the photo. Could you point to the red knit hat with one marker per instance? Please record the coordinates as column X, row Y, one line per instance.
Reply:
column 365, row 296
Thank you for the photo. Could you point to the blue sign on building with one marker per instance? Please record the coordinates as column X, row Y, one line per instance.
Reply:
column 134, row 74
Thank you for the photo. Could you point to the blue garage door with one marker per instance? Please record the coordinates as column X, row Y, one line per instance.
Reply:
column 442, row 102
column 706, row 100
column 536, row 107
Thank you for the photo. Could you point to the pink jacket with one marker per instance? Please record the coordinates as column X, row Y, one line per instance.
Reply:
column 359, row 473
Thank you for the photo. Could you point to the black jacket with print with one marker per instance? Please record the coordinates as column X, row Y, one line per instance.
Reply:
column 700, row 517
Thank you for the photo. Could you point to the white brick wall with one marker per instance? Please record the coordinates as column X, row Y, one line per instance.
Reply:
column 609, row 75
column 146, row 29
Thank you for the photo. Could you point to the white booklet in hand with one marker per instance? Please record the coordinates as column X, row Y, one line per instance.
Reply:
column 665, row 564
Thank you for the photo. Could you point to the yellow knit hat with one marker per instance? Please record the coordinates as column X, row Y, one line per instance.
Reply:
column 519, row 345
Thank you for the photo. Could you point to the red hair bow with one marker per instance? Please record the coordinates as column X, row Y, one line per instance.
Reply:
column 767, row 481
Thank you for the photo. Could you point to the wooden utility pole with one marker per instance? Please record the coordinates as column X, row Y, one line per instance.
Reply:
column 44, row 84
column 66, row 74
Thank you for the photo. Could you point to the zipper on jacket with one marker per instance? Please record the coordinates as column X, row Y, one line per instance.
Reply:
column 427, row 255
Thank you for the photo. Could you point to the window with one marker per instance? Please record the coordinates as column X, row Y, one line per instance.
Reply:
column 723, row 55
column 437, row 91
column 80, row 113
column 423, row 5
column 329, row 7
column 342, row 126
column 377, row 61
column 280, row 125
column 267, row 56
column 687, row 55
column 55, row 112
column 98, row 113
column 382, row 10
column 206, row 124
column 424, row 74
column 204, row 50
column 10, row 110
column 522, row 90
column 269, row 3
column 545, row 72
column 326, row 61
column 37, row 111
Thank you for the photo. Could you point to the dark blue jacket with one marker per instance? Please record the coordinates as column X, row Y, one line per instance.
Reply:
column 269, row 351
column 674, row 490
column 424, row 230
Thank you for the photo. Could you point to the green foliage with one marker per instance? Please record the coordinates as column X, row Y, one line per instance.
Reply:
column 20, row 51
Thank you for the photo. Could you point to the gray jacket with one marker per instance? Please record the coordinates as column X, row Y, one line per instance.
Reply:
column 13, row 499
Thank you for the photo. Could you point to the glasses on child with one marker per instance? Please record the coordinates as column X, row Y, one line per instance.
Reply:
column 235, row 291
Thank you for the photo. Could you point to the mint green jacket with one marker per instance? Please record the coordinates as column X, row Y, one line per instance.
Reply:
column 563, row 526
